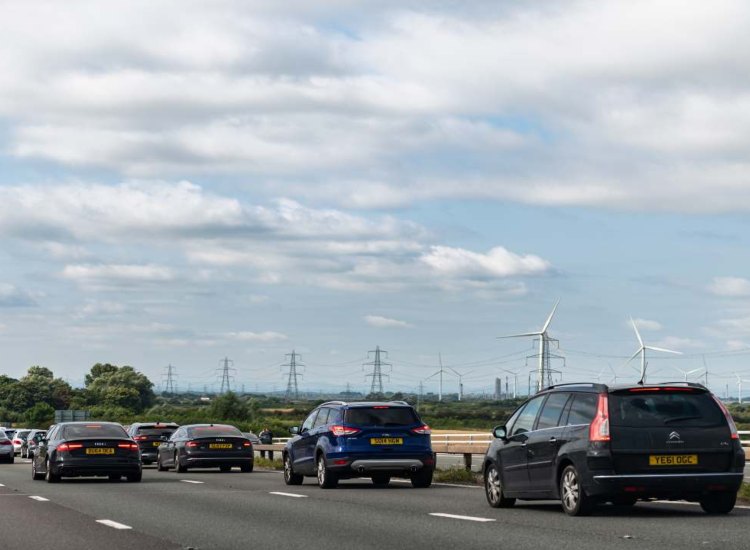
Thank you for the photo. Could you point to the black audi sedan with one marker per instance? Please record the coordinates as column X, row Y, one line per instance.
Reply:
column 206, row 446
column 76, row 449
column 150, row 435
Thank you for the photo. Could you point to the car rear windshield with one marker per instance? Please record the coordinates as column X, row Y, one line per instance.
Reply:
column 93, row 430
column 151, row 430
column 22, row 434
column 664, row 408
column 377, row 416
column 214, row 431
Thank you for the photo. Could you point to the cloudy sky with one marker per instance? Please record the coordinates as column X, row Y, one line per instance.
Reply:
column 182, row 181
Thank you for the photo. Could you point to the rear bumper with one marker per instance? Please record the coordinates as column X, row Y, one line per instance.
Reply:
column 664, row 485
column 84, row 467
column 216, row 462
column 397, row 465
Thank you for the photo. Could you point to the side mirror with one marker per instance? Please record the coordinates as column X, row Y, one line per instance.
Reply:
column 500, row 432
column 294, row 430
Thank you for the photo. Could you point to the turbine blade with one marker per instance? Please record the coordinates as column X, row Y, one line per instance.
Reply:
column 521, row 335
column 551, row 315
column 638, row 334
column 636, row 354
column 652, row 348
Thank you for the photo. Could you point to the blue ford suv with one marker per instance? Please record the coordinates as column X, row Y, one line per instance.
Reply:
column 343, row 440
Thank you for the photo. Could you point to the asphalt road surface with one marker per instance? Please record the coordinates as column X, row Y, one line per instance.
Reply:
column 211, row 510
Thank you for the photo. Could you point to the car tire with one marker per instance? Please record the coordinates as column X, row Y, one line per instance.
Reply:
column 135, row 478
column 159, row 466
column 247, row 468
column 50, row 476
column 178, row 465
column 36, row 476
column 381, row 480
column 493, row 488
column 422, row 479
column 225, row 469
column 326, row 478
column 574, row 500
column 719, row 503
column 290, row 478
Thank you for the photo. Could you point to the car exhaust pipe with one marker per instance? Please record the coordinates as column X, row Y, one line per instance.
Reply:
column 413, row 469
column 361, row 469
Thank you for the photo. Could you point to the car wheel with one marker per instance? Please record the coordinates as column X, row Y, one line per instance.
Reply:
column 422, row 479
column 290, row 478
column 178, row 465
column 326, row 478
column 493, row 489
column 36, row 476
column 225, row 468
column 135, row 478
column 719, row 503
column 575, row 501
column 247, row 468
column 381, row 480
column 159, row 466
column 50, row 476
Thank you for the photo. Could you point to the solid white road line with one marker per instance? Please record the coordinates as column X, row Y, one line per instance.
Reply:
column 40, row 499
column 191, row 481
column 293, row 495
column 467, row 518
column 113, row 524
column 1, row 485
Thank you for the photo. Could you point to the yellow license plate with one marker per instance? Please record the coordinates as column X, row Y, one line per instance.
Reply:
column 98, row 451
column 157, row 443
column 387, row 441
column 220, row 446
column 673, row 460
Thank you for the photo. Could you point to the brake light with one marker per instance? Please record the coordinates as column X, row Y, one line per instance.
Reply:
column 422, row 430
column 728, row 416
column 69, row 446
column 381, row 407
column 192, row 444
column 129, row 446
column 599, row 428
column 6, row 442
column 140, row 437
column 338, row 431
column 246, row 444
column 17, row 442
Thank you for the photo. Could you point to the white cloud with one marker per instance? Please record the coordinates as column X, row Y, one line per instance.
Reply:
column 12, row 296
column 267, row 336
column 116, row 273
column 498, row 262
column 385, row 322
column 734, row 287
column 646, row 324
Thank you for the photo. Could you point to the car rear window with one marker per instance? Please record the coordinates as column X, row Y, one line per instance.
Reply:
column 664, row 408
column 214, row 431
column 93, row 430
column 151, row 430
column 380, row 416
column 22, row 434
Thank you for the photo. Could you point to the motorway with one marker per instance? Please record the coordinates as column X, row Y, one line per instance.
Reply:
column 212, row 510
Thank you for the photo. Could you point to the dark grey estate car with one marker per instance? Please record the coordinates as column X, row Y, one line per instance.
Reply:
column 585, row 444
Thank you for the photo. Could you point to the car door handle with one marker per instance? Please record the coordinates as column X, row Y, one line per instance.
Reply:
column 553, row 440
column 523, row 444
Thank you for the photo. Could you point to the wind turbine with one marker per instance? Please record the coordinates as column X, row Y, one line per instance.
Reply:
column 642, row 351
column 460, row 380
column 687, row 373
column 543, row 347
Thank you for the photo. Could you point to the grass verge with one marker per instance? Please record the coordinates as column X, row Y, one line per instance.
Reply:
column 456, row 475
column 743, row 495
column 275, row 464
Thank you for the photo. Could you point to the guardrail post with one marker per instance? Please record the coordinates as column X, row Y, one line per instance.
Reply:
column 467, row 461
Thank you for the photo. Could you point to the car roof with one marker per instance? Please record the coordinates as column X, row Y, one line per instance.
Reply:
column 593, row 387
column 167, row 424
column 355, row 404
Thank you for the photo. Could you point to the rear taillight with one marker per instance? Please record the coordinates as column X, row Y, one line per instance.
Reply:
column 17, row 442
column 6, row 442
column 140, row 437
column 422, row 430
column 344, row 430
column 69, row 446
column 599, row 428
column 247, row 444
column 192, row 444
column 128, row 446
column 728, row 416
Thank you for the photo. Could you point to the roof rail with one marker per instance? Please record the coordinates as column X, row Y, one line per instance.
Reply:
column 333, row 403
column 584, row 384
column 400, row 402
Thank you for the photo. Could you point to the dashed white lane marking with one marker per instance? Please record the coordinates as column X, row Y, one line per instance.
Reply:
column 113, row 524
column 40, row 499
column 466, row 518
column 1, row 485
column 192, row 481
column 293, row 495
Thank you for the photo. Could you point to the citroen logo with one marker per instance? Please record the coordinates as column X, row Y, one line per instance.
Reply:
column 673, row 436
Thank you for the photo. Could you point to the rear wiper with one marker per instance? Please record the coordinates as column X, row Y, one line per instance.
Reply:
column 681, row 418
